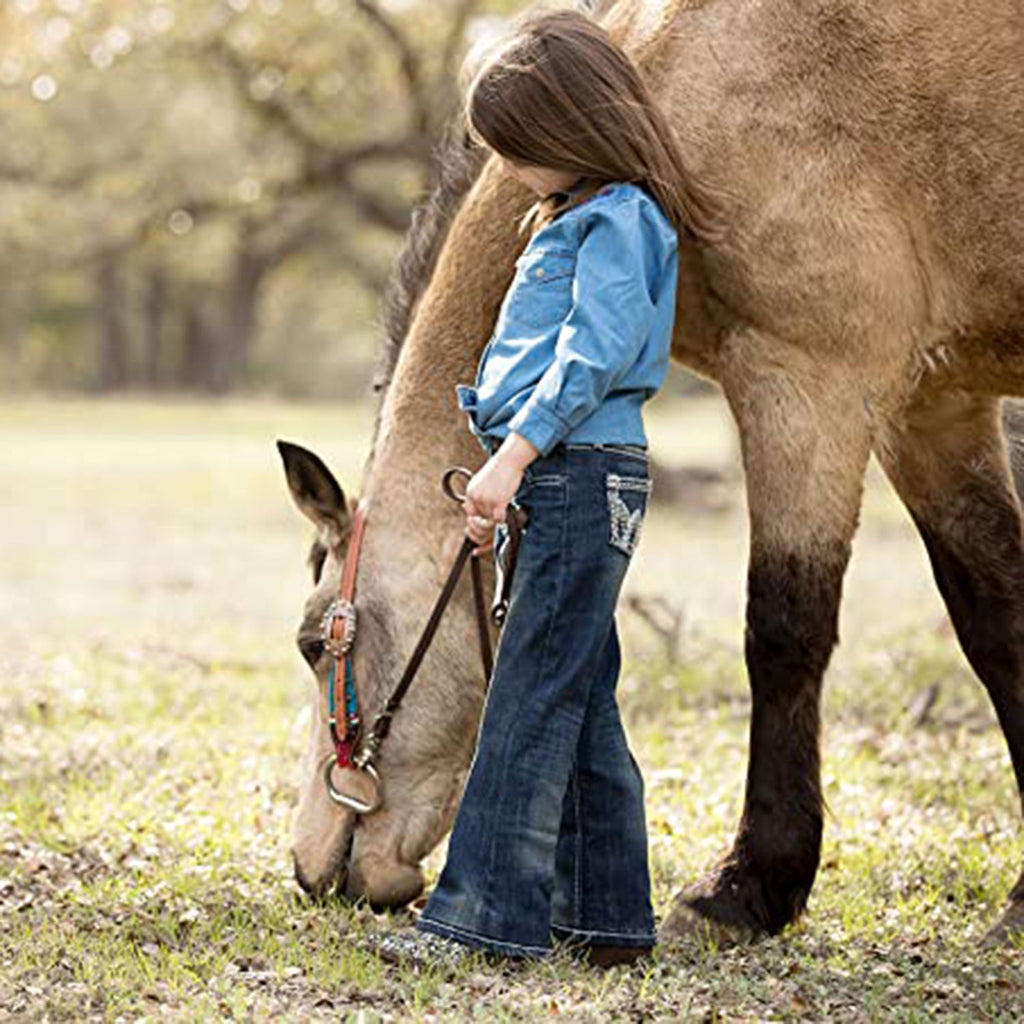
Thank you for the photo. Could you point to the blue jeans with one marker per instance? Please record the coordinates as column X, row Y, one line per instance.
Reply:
column 550, row 839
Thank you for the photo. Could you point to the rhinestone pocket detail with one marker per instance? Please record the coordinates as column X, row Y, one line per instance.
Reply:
column 625, row 522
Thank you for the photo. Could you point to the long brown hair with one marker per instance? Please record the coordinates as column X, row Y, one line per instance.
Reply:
column 559, row 93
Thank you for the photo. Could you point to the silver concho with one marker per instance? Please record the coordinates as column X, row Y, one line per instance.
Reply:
column 339, row 608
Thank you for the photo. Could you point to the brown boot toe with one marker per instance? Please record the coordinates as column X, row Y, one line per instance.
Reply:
column 610, row 956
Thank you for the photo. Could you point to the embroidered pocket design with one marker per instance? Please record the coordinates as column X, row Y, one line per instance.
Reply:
column 627, row 503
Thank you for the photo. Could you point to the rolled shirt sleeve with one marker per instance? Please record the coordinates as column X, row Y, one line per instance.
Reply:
column 605, row 330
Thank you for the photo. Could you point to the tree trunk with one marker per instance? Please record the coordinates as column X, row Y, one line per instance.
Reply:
column 153, row 326
column 194, row 368
column 113, row 368
column 238, row 326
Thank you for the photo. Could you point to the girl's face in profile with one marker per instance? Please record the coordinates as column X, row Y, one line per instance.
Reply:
column 541, row 180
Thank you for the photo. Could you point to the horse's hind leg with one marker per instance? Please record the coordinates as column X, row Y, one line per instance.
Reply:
column 805, row 446
column 948, row 462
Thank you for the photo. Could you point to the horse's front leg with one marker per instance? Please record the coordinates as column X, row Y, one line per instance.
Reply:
column 805, row 444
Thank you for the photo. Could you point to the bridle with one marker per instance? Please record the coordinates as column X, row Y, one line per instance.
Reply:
column 338, row 625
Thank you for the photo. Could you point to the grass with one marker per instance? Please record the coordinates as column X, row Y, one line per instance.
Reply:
column 152, row 716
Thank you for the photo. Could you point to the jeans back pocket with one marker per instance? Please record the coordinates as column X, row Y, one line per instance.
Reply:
column 627, row 505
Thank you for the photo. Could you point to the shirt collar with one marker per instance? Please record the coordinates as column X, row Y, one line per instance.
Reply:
column 562, row 194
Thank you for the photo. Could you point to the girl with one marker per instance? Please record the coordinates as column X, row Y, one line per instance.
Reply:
column 550, row 839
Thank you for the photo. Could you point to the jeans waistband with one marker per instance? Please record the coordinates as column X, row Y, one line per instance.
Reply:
column 494, row 443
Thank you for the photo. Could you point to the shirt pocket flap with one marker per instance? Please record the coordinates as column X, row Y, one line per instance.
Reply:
column 542, row 265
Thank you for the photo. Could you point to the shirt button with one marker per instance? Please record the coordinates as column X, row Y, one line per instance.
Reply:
column 540, row 271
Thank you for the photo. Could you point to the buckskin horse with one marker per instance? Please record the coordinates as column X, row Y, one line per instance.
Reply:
column 868, row 297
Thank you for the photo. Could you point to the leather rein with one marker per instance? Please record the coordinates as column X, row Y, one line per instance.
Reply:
column 351, row 750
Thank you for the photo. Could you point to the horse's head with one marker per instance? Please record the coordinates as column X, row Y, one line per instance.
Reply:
column 441, row 305
column 423, row 762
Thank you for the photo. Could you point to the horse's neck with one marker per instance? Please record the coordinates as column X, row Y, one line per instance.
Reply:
column 420, row 421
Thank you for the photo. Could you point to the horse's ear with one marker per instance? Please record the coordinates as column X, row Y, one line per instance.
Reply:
column 316, row 493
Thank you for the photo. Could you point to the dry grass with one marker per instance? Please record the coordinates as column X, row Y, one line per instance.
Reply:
column 151, row 719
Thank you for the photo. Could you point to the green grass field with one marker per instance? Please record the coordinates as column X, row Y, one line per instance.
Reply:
column 152, row 714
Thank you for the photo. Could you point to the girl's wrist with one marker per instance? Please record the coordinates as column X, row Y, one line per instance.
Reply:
column 516, row 451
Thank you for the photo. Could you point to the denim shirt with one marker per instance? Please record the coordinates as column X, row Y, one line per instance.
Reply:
column 583, row 333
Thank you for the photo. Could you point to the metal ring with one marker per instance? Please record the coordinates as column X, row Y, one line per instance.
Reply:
column 351, row 802
column 446, row 482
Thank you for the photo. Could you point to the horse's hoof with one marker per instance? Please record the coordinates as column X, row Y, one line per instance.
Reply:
column 685, row 926
column 1008, row 931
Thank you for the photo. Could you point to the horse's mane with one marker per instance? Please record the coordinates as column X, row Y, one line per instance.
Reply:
column 456, row 166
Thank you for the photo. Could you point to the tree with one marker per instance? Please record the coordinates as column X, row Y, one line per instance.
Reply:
column 179, row 156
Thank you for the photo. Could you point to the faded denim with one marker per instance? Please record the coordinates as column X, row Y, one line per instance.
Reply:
column 550, row 841
column 583, row 335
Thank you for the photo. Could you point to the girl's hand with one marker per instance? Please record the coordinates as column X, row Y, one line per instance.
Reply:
column 481, row 531
column 488, row 493
column 493, row 486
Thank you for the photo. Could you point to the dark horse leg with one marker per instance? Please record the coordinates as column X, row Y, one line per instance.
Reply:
column 805, row 444
column 948, row 461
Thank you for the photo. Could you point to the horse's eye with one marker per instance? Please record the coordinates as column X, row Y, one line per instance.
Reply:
column 311, row 647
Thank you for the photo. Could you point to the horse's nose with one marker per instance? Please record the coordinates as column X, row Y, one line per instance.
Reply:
column 331, row 878
column 322, row 888
column 384, row 884
column 311, row 647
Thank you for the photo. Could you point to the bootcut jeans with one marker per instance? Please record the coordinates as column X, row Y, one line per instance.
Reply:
column 550, row 840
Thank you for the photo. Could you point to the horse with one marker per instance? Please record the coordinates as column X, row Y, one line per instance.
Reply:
column 866, row 297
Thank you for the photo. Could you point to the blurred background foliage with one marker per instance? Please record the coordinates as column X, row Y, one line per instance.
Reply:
column 206, row 195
